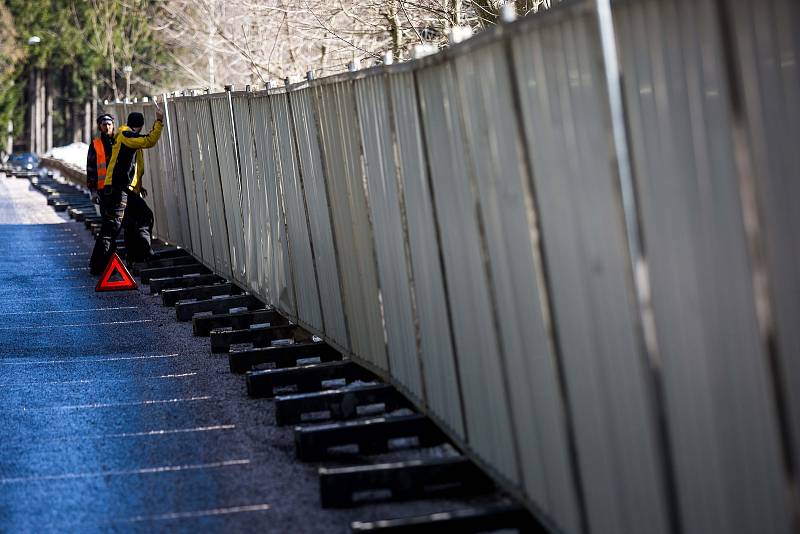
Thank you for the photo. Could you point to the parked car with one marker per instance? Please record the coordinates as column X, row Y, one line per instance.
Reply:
column 24, row 161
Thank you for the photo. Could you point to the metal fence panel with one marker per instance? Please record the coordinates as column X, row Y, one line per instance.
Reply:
column 499, row 168
column 768, row 50
column 715, row 369
column 291, row 183
column 199, row 161
column 278, row 272
column 384, row 206
column 478, row 253
column 227, row 157
column 165, row 202
column 189, row 166
column 351, row 224
column 319, row 217
column 213, row 185
column 489, row 426
column 252, row 197
column 567, row 126
column 153, row 179
column 174, row 160
column 436, row 349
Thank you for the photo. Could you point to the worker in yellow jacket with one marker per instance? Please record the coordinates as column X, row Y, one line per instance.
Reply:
column 121, row 202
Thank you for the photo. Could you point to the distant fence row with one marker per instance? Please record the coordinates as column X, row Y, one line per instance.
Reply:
column 591, row 282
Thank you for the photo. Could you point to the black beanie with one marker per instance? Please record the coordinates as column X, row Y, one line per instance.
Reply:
column 135, row 120
column 104, row 118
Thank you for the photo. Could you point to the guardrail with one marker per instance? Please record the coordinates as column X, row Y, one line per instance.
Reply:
column 590, row 281
column 69, row 172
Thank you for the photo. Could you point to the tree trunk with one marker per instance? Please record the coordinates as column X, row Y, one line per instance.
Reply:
column 395, row 30
column 64, row 134
column 87, row 117
column 32, row 112
column 48, row 119
column 39, row 111
column 114, row 79
column 76, row 124
column 10, row 137
column 92, row 112
column 458, row 8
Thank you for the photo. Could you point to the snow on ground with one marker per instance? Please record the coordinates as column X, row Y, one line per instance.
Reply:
column 74, row 154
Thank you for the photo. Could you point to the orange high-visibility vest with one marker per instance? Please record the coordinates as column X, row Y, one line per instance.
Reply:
column 101, row 162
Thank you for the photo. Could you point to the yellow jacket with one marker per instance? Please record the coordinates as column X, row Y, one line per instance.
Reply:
column 126, row 166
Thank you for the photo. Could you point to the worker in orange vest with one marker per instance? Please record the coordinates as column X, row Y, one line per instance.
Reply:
column 99, row 156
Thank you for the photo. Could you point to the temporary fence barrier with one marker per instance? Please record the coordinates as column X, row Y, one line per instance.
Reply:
column 571, row 240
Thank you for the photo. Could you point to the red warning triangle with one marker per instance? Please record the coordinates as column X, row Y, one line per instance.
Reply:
column 115, row 269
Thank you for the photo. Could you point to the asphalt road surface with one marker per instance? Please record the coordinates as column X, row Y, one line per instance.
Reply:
column 115, row 418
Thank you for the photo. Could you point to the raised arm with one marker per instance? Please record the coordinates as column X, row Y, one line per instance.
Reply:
column 144, row 141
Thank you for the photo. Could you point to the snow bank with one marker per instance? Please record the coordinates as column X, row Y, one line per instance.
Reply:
column 73, row 155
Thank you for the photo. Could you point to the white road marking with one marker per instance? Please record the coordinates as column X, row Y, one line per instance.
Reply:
column 98, row 405
column 194, row 514
column 71, row 311
column 59, row 240
column 83, row 325
column 91, row 381
column 84, row 253
column 92, row 360
column 27, row 287
column 55, row 242
column 145, row 433
column 28, row 441
column 126, row 472
column 171, row 516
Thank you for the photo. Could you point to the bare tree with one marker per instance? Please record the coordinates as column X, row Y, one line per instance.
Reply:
column 250, row 41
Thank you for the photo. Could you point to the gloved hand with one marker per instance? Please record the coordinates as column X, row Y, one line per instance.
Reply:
column 95, row 198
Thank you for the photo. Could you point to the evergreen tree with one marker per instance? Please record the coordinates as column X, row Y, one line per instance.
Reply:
column 83, row 49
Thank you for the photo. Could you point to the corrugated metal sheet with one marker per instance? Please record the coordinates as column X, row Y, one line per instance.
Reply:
column 481, row 258
column 291, row 186
column 252, row 196
column 435, row 338
column 506, row 211
column 174, row 159
column 351, row 224
column 230, row 182
column 167, row 203
column 489, row 427
column 768, row 53
column 567, row 124
column 189, row 166
column 389, row 232
column 714, row 366
column 319, row 217
column 199, row 161
column 152, row 180
column 220, row 240
column 278, row 273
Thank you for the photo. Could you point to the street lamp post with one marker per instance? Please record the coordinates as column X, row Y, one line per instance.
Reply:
column 127, row 69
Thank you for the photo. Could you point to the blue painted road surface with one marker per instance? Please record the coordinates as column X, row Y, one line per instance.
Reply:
column 115, row 418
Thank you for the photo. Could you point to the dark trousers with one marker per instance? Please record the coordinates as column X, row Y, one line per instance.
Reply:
column 121, row 209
